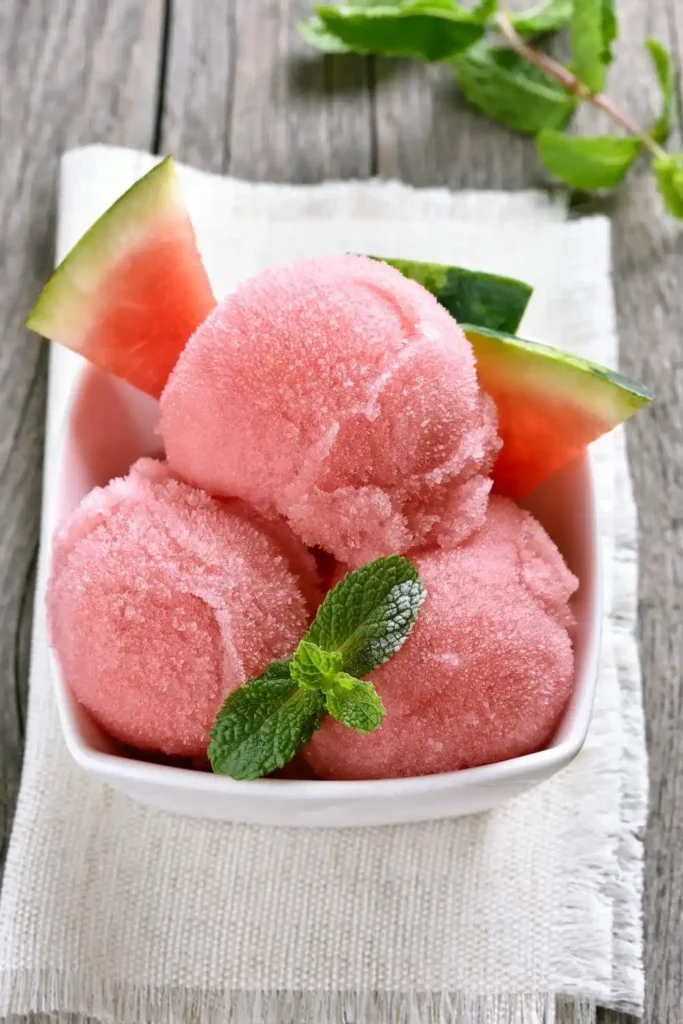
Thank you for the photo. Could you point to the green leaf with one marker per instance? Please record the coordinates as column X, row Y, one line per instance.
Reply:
column 263, row 724
column 587, row 163
column 512, row 90
column 669, row 173
column 427, row 29
column 356, row 705
column 547, row 16
column 484, row 10
column 593, row 30
column 665, row 75
column 610, row 29
column 471, row 296
column 314, row 32
column 368, row 616
column 313, row 668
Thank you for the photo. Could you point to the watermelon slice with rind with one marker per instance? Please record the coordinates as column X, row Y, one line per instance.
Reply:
column 132, row 291
column 551, row 405
column 470, row 296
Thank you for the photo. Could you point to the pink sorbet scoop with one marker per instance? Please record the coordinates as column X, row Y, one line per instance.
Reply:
column 342, row 396
column 162, row 600
column 488, row 670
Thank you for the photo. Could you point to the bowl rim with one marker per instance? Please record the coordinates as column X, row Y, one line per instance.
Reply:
column 130, row 769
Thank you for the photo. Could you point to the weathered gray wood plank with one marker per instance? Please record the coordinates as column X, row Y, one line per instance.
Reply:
column 246, row 96
column 70, row 71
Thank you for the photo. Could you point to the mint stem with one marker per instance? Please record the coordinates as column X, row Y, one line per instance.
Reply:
column 574, row 85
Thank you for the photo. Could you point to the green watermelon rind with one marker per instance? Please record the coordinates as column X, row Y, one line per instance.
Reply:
column 470, row 296
column 62, row 309
column 606, row 393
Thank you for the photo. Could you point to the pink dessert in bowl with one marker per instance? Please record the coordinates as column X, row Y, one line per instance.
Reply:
column 329, row 410
column 96, row 449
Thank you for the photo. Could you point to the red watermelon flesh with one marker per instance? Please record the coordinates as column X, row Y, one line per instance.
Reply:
column 550, row 404
column 133, row 290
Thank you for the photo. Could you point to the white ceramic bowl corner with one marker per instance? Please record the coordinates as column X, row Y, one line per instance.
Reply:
column 108, row 426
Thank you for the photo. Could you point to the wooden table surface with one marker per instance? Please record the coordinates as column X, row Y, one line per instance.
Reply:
column 227, row 85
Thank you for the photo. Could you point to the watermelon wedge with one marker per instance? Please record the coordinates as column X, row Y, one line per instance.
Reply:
column 132, row 291
column 471, row 296
column 550, row 405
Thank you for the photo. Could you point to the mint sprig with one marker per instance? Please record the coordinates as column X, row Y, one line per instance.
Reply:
column 516, row 84
column 510, row 89
column 593, row 30
column 369, row 615
column 355, row 703
column 587, row 163
column 262, row 725
column 361, row 623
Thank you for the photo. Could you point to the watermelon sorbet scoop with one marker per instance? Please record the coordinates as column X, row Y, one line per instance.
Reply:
column 488, row 670
column 162, row 600
column 338, row 394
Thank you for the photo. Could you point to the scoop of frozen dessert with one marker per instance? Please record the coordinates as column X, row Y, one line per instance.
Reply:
column 341, row 395
column 162, row 600
column 486, row 673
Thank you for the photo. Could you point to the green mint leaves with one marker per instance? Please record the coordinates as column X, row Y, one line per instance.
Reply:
column 663, row 66
column 427, row 29
column 370, row 614
column 361, row 623
column 593, row 30
column 511, row 90
column 669, row 174
column 262, row 725
column 586, row 163
column 356, row 704
column 351, row 701
column 315, row 669
column 511, row 82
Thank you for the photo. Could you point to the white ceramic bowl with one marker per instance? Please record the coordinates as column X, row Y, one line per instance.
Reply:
column 108, row 426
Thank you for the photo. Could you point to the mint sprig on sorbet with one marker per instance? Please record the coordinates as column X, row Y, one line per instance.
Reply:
column 361, row 623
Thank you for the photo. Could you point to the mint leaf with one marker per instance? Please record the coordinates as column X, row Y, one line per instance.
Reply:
column 484, row 10
column 593, row 30
column 669, row 173
column 263, row 724
column 470, row 296
column 368, row 616
column 512, row 90
column 430, row 30
column 587, row 163
column 665, row 75
column 313, row 668
column 547, row 16
column 314, row 32
column 610, row 29
column 356, row 704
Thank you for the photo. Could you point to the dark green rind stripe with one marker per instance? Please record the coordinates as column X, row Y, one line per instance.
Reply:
column 470, row 296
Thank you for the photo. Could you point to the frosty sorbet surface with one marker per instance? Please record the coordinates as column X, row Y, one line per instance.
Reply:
column 162, row 600
column 342, row 396
column 488, row 669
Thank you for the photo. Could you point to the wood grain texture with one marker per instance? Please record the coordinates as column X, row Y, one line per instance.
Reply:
column 242, row 94
column 246, row 96
column 70, row 71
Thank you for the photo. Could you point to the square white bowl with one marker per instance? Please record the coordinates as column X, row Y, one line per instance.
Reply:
column 108, row 426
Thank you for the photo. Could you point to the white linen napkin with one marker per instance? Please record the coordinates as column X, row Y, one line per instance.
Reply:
column 136, row 916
